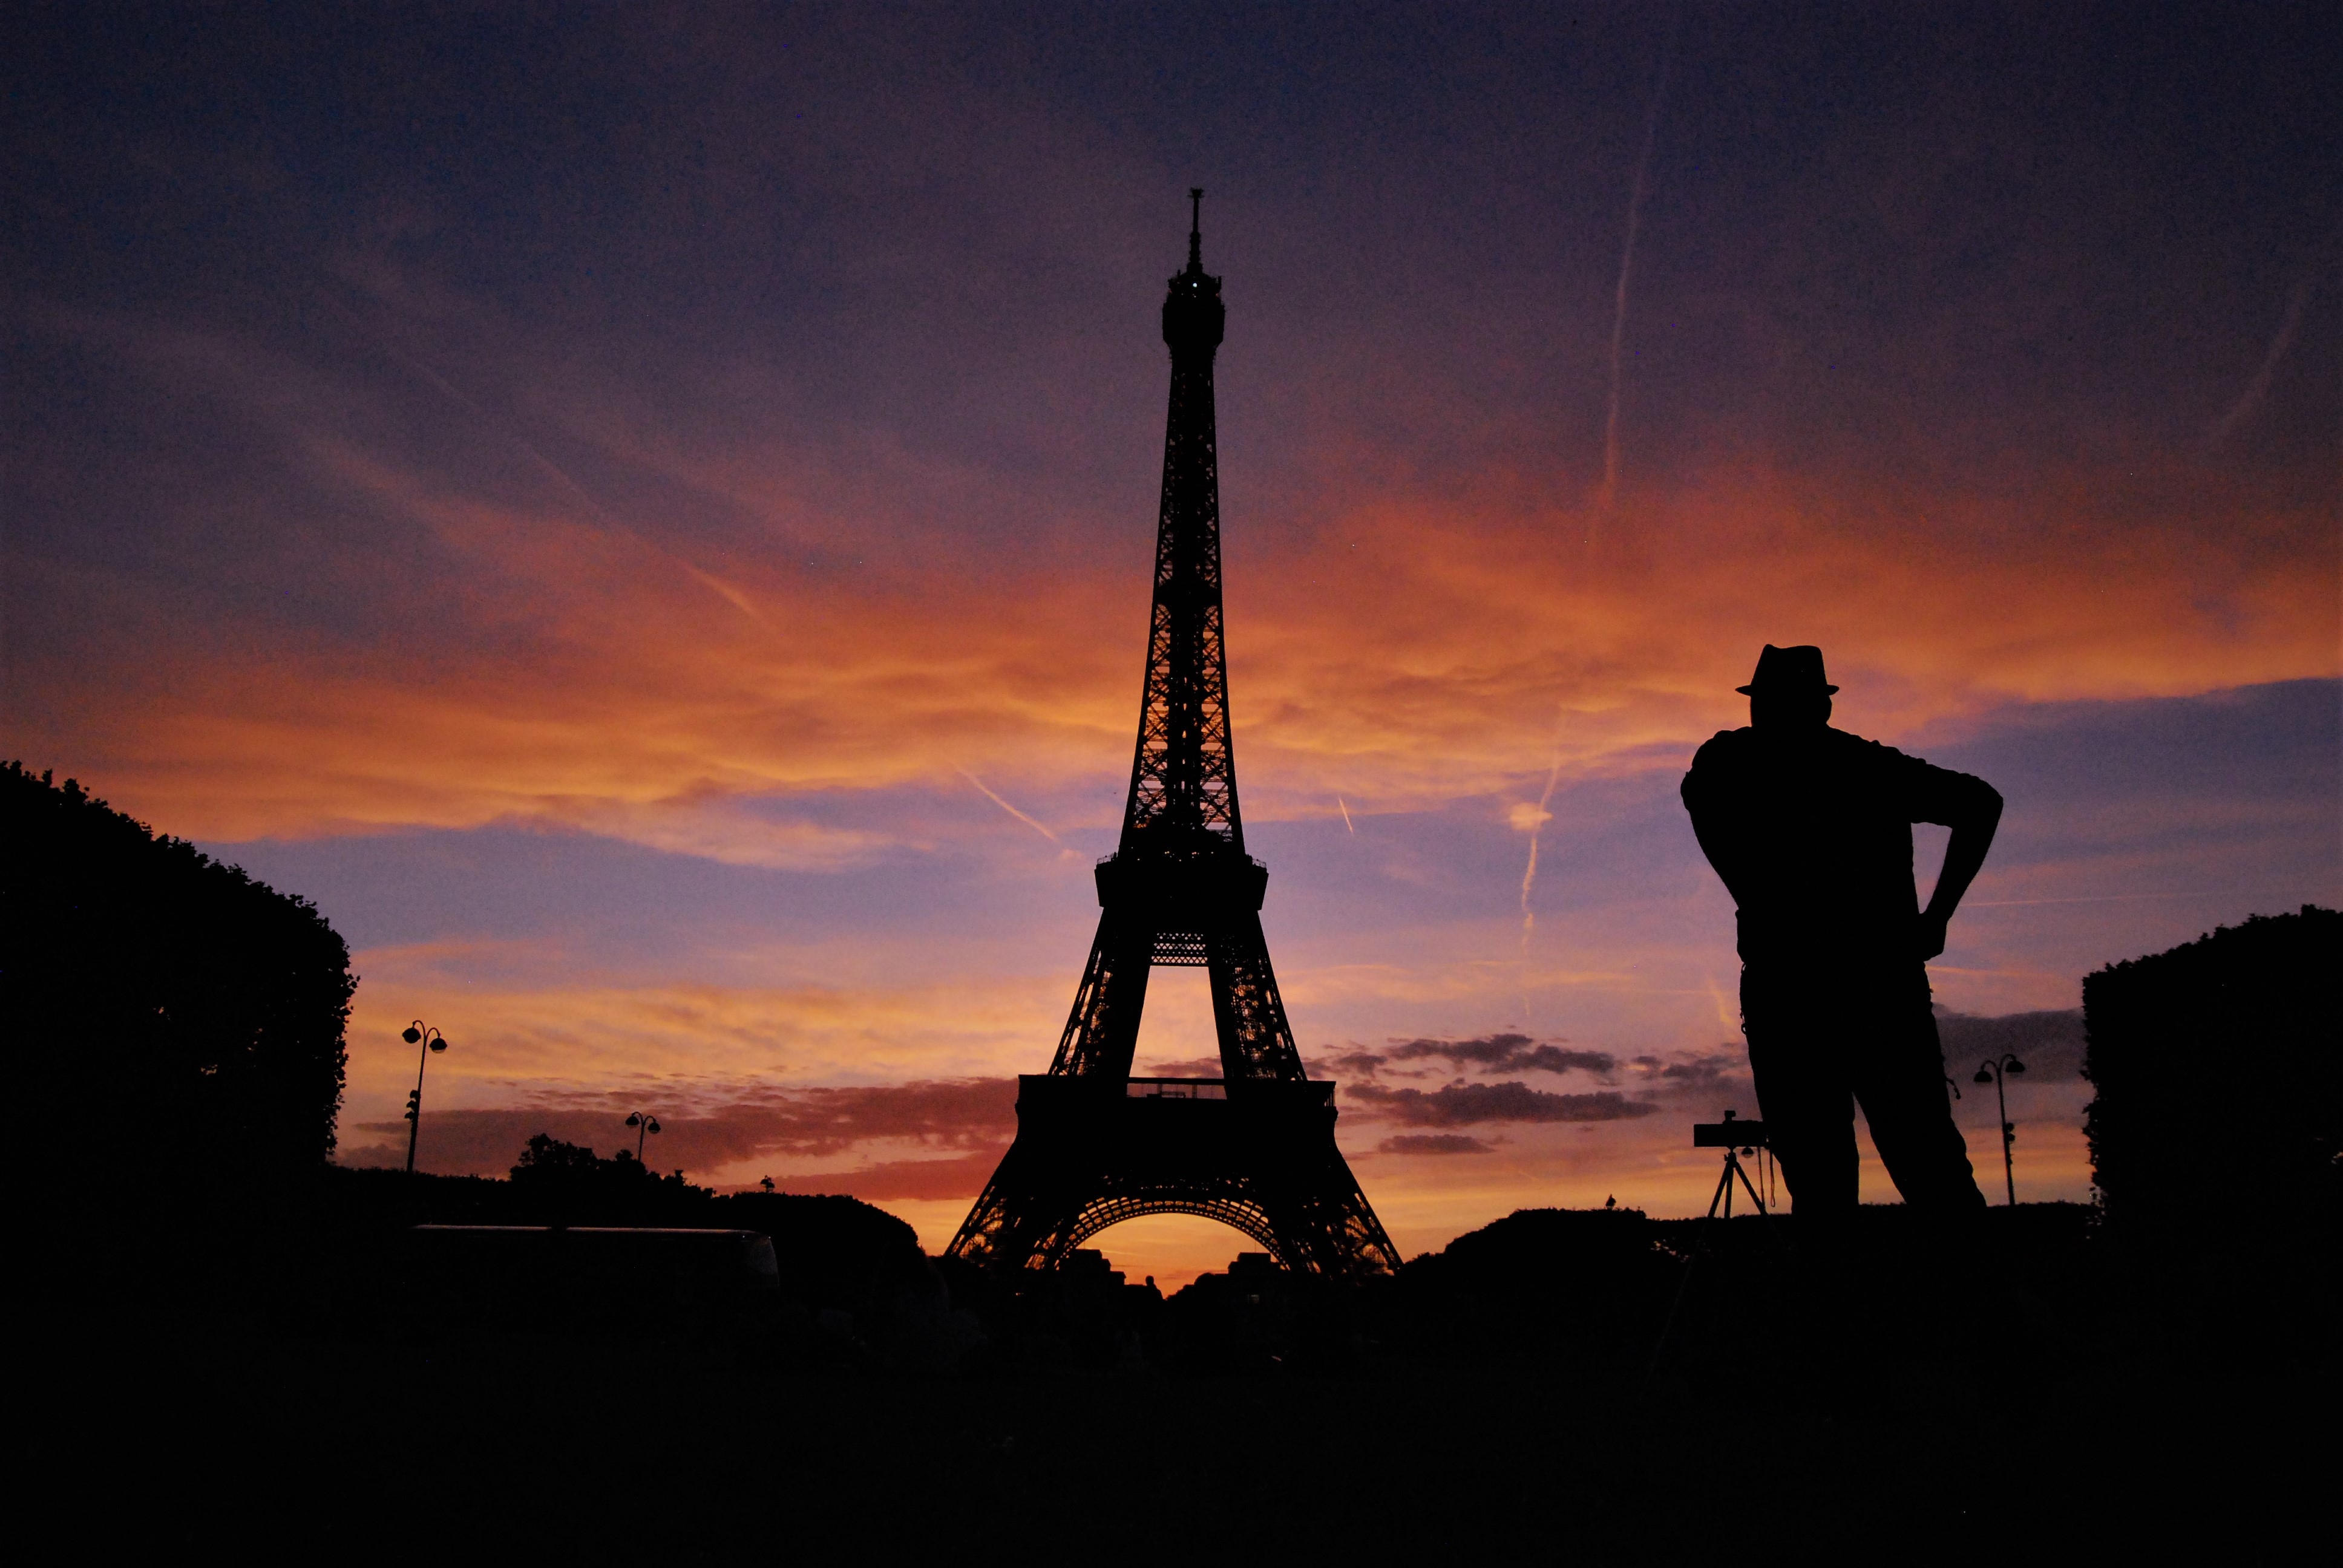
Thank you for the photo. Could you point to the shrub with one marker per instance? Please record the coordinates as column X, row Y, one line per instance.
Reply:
column 2217, row 1066
column 192, row 1015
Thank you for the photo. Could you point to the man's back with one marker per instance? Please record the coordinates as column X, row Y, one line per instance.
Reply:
column 1811, row 832
column 1810, row 829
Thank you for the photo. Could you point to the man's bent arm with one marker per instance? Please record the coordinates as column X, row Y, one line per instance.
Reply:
column 1964, row 858
column 1717, row 840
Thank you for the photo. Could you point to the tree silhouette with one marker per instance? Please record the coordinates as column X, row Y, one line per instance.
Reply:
column 197, row 1012
column 2171, row 1147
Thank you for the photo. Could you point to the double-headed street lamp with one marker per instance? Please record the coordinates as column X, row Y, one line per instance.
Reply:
column 1998, row 1073
column 430, row 1039
column 643, row 1123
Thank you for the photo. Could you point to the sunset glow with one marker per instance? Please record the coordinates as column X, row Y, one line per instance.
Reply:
column 660, row 555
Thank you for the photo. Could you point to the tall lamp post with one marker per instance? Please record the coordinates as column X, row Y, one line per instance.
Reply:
column 430, row 1039
column 644, row 1123
column 1998, row 1073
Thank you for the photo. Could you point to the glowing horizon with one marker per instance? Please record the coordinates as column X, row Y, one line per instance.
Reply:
column 665, row 566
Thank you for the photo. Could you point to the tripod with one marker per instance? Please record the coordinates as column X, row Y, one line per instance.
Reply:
column 1724, row 1187
column 1733, row 1137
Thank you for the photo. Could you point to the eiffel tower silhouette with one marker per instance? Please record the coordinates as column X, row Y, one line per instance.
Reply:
column 1254, row 1148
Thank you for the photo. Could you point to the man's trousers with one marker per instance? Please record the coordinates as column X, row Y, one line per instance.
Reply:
column 1822, row 1039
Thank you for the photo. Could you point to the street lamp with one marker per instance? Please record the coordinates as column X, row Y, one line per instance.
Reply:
column 430, row 1039
column 643, row 1123
column 1998, row 1073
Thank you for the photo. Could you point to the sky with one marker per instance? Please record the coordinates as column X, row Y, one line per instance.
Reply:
column 643, row 514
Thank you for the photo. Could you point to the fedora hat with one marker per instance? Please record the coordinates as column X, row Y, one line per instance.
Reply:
column 1796, row 668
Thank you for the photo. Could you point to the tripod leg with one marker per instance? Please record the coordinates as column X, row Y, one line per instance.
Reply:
column 1723, row 1190
column 1753, row 1191
column 1676, row 1309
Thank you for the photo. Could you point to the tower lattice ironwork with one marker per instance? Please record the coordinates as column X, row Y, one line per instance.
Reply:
column 1256, row 1147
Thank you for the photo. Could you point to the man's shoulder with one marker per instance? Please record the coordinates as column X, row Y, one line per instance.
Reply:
column 1724, row 747
column 1929, row 793
column 1720, row 758
column 1853, row 751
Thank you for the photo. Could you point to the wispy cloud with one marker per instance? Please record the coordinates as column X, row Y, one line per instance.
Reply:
column 1434, row 1143
column 1471, row 1104
column 585, row 682
column 1483, row 1053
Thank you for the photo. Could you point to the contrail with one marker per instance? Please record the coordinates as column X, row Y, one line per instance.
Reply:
column 1346, row 816
column 1538, row 819
column 731, row 595
column 1635, row 191
column 449, row 390
column 2256, row 389
column 1013, row 810
column 1538, row 826
column 1727, row 1013
column 546, row 465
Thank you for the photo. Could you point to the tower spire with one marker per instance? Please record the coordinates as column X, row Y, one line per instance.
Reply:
column 1195, row 228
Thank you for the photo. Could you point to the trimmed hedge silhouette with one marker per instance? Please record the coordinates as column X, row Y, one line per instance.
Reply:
column 2219, row 1071
column 199, row 1012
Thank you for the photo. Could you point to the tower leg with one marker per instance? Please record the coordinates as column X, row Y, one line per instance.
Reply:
column 1256, row 1042
column 1102, row 1030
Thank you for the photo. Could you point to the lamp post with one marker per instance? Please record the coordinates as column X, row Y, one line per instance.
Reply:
column 1996, row 1072
column 644, row 1123
column 430, row 1039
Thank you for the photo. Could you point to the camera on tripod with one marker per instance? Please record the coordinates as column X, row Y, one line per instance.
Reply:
column 1730, row 1133
column 1736, row 1138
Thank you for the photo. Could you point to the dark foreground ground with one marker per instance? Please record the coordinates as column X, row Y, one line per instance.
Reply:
column 636, row 1452
column 1500, row 1401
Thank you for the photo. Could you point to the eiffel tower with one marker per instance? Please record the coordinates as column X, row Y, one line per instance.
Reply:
column 1254, row 1148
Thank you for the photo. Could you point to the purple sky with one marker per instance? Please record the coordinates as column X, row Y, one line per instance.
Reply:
column 587, row 495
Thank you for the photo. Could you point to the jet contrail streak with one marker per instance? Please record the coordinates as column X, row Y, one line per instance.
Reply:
column 1635, row 191
column 1346, row 816
column 1537, row 826
column 1013, row 810
column 730, row 595
column 448, row 389
column 1727, row 1013
column 1538, row 819
column 2256, row 389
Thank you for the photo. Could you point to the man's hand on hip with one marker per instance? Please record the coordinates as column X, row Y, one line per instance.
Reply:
column 1932, row 934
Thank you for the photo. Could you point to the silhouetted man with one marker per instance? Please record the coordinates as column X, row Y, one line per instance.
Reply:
column 1811, row 829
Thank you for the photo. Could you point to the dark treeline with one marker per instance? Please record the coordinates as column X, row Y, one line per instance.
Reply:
column 187, row 1014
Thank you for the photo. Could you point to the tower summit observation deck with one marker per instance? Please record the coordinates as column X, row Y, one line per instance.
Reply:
column 1254, row 1148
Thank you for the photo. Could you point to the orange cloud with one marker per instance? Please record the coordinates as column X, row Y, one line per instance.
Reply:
column 1403, row 653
